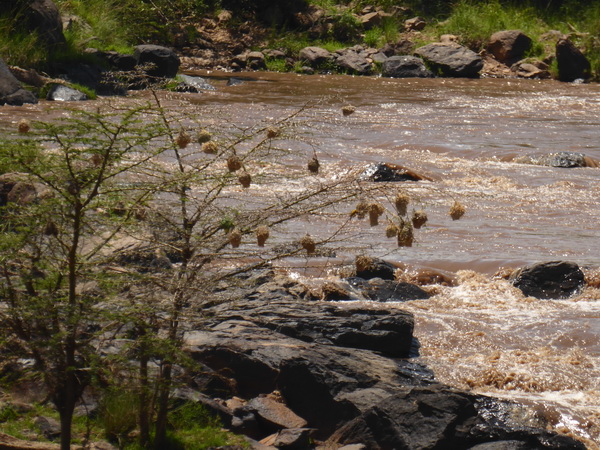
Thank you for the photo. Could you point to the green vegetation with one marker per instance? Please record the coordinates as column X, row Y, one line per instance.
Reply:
column 121, row 24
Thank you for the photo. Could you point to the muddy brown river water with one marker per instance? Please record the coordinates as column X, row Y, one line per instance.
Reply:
column 482, row 334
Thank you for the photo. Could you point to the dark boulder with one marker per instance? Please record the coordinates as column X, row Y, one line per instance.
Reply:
column 451, row 60
column 405, row 67
column 164, row 61
column 391, row 172
column 439, row 417
column 11, row 91
column 367, row 268
column 554, row 280
column 62, row 93
column 509, row 46
column 572, row 64
column 41, row 17
column 380, row 290
column 315, row 56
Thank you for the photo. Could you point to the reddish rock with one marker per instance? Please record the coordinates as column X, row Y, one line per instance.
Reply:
column 509, row 46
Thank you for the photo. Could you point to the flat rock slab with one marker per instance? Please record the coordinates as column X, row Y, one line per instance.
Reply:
column 451, row 60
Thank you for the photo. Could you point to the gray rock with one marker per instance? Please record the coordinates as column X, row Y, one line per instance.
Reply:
column 534, row 69
column 11, row 91
column 353, row 62
column 62, row 93
column 197, row 82
column 405, row 67
column 165, row 61
column 572, row 64
column 551, row 280
column 556, row 159
column 509, row 46
column 49, row 427
column 415, row 24
column 255, row 61
column 315, row 56
column 451, row 60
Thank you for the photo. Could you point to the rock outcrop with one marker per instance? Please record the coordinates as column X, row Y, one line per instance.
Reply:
column 292, row 369
column 11, row 91
column 451, row 60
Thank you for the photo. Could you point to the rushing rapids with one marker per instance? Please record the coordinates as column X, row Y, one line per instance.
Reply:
column 467, row 136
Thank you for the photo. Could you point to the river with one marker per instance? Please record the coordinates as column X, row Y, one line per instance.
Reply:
column 481, row 334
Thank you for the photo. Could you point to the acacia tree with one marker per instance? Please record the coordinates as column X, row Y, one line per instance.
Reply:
column 67, row 183
column 87, row 181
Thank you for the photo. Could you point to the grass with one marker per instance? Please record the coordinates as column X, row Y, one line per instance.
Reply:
column 475, row 22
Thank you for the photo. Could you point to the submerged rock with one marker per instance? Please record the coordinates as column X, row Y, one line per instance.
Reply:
column 557, row 159
column 391, row 172
column 555, row 280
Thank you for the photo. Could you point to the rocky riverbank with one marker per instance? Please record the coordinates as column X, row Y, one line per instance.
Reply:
column 222, row 43
column 288, row 370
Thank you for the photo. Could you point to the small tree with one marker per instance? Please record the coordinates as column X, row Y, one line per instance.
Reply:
column 54, row 237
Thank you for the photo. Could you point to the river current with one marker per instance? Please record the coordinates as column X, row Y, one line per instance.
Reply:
column 482, row 334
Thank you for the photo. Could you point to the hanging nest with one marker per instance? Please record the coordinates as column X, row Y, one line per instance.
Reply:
column 419, row 218
column 361, row 210
column 50, row 229
column 348, row 109
column 245, row 180
column 401, row 202
column 235, row 238
column 391, row 230
column 405, row 234
column 457, row 211
column 363, row 263
column 183, row 139
column 234, row 163
column 210, row 148
column 262, row 234
column 313, row 165
column 24, row 126
column 203, row 136
column 308, row 244
column 272, row 132
column 96, row 160
column 375, row 210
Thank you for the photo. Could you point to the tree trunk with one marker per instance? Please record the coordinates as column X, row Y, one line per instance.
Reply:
column 163, row 407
